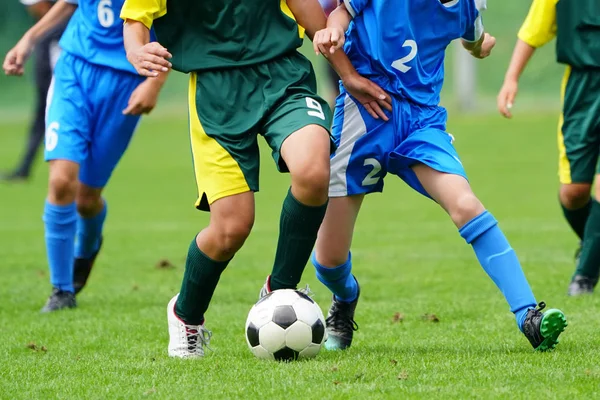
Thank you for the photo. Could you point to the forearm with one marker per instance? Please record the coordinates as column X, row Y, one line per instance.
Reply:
column 519, row 60
column 159, row 80
column 340, row 17
column 57, row 15
column 135, row 35
column 38, row 10
column 309, row 14
column 472, row 46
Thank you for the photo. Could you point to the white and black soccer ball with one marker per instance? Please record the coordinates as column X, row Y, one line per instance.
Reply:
column 285, row 325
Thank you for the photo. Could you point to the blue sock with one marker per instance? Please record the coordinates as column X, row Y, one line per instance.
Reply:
column 500, row 262
column 89, row 233
column 60, row 223
column 339, row 279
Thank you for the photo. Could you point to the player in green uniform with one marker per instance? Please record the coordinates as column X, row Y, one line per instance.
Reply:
column 576, row 25
column 246, row 78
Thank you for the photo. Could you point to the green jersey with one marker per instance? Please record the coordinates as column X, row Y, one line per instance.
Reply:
column 578, row 33
column 215, row 34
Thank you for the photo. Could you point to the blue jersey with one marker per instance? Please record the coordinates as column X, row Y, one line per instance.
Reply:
column 95, row 34
column 400, row 44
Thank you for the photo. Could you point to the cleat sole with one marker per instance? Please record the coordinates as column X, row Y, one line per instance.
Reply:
column 553, row 324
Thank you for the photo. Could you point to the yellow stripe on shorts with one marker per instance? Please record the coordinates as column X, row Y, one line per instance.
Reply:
column 564, row 167
column 218, row 174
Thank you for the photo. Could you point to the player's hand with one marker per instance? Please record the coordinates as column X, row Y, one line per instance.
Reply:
column 484, row 49
column 144, row 98
column 370, row 95
column 328, row 40
column 506, row 97
column 14, row 62
column 149, row 59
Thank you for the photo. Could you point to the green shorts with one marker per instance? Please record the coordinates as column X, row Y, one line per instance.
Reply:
column 229, row 108
column 579, row 126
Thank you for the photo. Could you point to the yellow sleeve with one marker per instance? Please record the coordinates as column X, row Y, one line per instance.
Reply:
column 540, row 25
column 144, row 11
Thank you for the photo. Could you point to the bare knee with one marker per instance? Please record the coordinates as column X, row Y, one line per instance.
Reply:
column 575, row 195
column 89, row 203
column 310, row 181
column 465, row 208
column 62, row 188
column 230, row 235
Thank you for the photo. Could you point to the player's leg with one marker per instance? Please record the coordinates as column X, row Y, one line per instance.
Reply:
column 439, row 174
column 226, row 170
column 91, row 214
column 306, row 155
column 579, row 145
column 110, row 134
column 297, row 129
column 66, row 147
column 355, row 171
column 588, row 266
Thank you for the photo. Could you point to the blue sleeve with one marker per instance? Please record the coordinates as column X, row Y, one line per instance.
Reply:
column 355, row 7
column 76, row 2
column 473, row 22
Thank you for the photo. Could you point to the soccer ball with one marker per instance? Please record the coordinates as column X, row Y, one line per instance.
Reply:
column 285, row 325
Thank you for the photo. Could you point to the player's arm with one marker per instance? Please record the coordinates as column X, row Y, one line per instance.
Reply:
column 311, row 17
column 148, row 58
column 538, row 29
column 145, row 96
column 475, row 40
column 15, row 59
column 334, row 35
column 37, row 8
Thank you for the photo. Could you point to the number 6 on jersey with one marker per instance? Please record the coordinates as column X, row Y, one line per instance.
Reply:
column 106, row 15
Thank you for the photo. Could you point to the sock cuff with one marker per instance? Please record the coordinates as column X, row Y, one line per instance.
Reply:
column 195, row 253
column 335, row 273
column 295, row 208
column 477, row 226
column 63, row 215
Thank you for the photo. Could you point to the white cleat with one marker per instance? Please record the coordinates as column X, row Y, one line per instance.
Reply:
column 185, row 341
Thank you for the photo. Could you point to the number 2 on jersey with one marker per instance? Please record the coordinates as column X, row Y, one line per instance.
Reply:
column 400, row 64
column 106, row 15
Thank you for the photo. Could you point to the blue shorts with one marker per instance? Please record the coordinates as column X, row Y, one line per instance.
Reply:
column 369, row 148
column 84, row 119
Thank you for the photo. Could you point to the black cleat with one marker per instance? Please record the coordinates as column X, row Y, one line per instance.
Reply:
column 543, row 329
column 581, row 285
column 58, row 300
column 340, row 324
column 82, row 267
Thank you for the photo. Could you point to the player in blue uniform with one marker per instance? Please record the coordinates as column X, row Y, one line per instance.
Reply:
column 400, row 45
column 94, row 104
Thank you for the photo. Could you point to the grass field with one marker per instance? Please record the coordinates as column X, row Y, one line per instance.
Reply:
column 408, row 256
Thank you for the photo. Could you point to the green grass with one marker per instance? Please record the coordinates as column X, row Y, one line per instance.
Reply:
column 408, row 257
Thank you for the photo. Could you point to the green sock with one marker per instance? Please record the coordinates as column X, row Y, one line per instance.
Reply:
column 298, row 228
column 199, row 282
column 589, row 263
column 577, row 218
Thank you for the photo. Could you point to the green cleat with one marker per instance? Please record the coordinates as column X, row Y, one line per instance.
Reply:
column 340, row 324
column 543, row 329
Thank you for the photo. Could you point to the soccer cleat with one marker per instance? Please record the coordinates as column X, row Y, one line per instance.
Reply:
column 82, row 267
column 340, row 324
column 543, row 329
column 266, row 289
column 581, row 285
column 58, row 300
column 185, row 341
